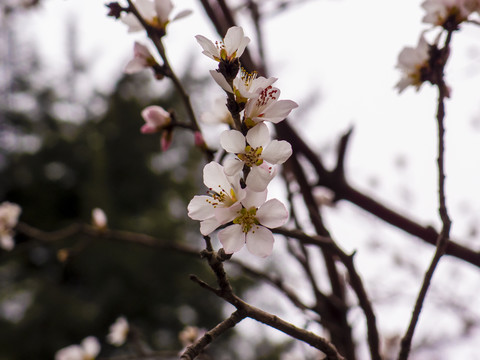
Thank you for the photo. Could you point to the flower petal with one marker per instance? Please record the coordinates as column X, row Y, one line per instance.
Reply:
column 260, row 241
column 279, row 110
column 232, row 238
column 207, row 226
column 220, row 80
column 182, row 14
column 232, row 166
column 259, row 178
column 91, row 346
column 209, row 48
column 214, row 177
column 233, row 141
column 277, row 152
column 200, row 207
column 272, row 214
column 224, row 215
column 258, row 136
column 254, row 198
column 163, row 8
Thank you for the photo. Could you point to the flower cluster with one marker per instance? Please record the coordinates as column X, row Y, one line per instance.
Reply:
column 449, row 13
column 418, row 64
column 9, row 214
column 237, row 190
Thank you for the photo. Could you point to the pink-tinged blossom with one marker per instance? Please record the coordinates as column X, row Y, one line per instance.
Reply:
column 413, row 62
column 252, row 224
column 9, row 214
column 245, row 86
column 156, row 119
column 99, row 219
column 266, row 107
column 118, row 332
column 142, row 59
column 232, row 47
column 87, row 350
column 222, row 202
column 155, row 13
column 257, row 151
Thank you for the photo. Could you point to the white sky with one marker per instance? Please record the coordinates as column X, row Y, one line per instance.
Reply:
column 344, row 54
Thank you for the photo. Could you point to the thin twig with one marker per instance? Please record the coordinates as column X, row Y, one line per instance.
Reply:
column 443, row 237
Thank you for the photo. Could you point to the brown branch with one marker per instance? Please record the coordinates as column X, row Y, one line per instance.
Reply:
column 196, row 348
column 269, row 319
column 354, row 279
column 444, row 235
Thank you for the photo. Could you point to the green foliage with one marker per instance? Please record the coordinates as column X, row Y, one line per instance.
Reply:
column 102, row 162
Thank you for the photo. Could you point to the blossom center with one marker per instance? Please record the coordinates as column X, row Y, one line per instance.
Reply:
column 221, row 197
column 251, row 157
column 268, row 94
column 246, row 219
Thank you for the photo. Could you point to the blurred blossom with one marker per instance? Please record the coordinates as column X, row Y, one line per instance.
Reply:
column 219, row 114
column 413, row 63
column 232, row 47
column 155, row 13
column 190, row 334
column 323, row 196
column 99, row 219
column 142, row 59
column 87, row 350
column 441, row 12
column 199, row 140
column 156, row 119
column 118, row 332
column 9, row 214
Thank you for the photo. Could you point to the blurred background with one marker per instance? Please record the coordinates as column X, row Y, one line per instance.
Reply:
column 70, row 142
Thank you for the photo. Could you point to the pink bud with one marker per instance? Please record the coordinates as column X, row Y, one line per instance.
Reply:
column 166, row 140
column 156, row 119
column 199, row 140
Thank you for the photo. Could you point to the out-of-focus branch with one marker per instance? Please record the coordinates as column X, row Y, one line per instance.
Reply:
column 354, row 280
column 338, row 183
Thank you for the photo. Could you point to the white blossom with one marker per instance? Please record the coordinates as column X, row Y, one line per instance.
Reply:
column 412, row 62
column 222, row 201
column 142, row 59
column 87, row 350
column 257, row 151
column 118, row 331
column 219, row 114
column 252, row 223
column 245, row 86
column 155, row 13
column 232, row 47
column 9, row 214
column 266, row 107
